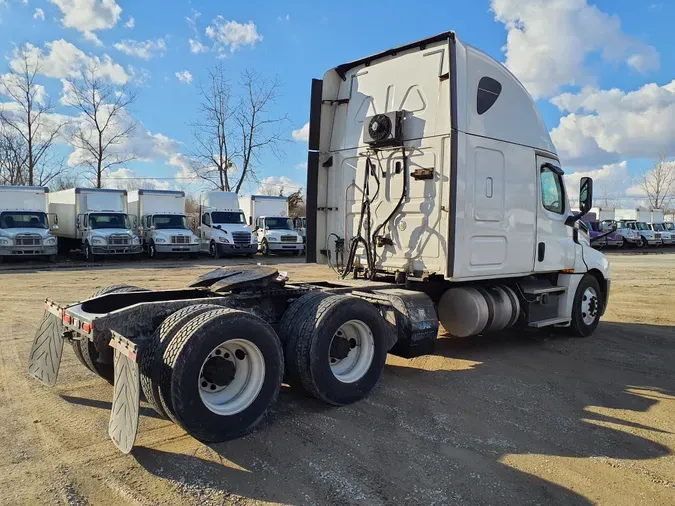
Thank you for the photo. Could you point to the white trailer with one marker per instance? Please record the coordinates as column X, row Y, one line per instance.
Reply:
column 25, row 229
column 223, row 228
column 95, row 221
column 162, row 223
column 604, row 213
column 658, row 225
column 638, row 220
column 431, row 167
column 275, row 231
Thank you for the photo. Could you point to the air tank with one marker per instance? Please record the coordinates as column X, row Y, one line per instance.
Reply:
column 471, row 310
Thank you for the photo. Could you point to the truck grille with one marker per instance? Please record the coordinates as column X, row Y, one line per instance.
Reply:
column 241, row 237
column 657, row 235
column 28, row 240
column 288, row 238
column 119, row 240
column 180, row 239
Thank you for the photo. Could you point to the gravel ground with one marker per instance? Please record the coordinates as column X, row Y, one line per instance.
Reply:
column 516, row 418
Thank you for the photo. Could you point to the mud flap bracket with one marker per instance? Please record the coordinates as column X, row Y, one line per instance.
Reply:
column 45, row 355
column 123, row 425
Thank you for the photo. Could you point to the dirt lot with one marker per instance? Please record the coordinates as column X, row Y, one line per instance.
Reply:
column 510, row 419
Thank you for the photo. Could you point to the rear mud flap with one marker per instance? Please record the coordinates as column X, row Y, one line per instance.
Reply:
column 123, row 424
column 45, row 355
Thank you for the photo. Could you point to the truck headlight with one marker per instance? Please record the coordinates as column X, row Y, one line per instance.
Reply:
column 5, row 241
column 50, row 241
column 98, row 240
column 254, row 239
column 136, row 240
column 195, row 239
column 223, row 240
column 160, row 240
column 298, row 239
column 272, row 239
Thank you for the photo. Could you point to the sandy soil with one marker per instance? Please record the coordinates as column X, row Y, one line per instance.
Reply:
column 516, row 418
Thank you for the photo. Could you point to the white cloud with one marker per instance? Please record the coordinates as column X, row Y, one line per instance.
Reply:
column 605, row 125
column 39, row 14
column 126, row 179
column 92, row 37
column 301, row 166
column 130, row 23
column 286, row 18
column 197, row 47
column 11, row 85
column 142, row 49
column 61, row 59
column 89, row 15
column 548, row 42
column 192, row 21
column 301, row 134
column 272, row 185
column 232, row 35
column 184, row 76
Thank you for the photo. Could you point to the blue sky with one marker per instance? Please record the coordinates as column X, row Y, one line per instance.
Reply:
column 568, row 53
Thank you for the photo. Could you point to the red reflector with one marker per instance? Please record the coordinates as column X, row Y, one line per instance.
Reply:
column 86, row 327
column 67, row 318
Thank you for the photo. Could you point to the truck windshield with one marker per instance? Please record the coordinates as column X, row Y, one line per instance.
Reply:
column 669, row 226
column 23, row 220
column 658, row 227
column 228, row 218
column 279, row 223
column 108, row 220
column 641, row 225
column 163, row 221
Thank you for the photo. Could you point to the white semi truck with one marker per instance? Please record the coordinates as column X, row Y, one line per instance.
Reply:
column 95, row 221
column 274, row 229
column 433, row 189
column 638, row 220
column 25, row 228
column 162, row 223
column 223, row 229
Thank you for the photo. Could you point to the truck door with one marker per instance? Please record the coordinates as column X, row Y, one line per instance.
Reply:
column 555, row 249
column 205, row 232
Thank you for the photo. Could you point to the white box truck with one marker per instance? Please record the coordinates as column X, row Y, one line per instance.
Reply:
column 162, row 223
column 223, row 228
column 638, row 220
column 657, row 224
column 25, row 229
column 431, row 166
column 274, row 229
column 95, row 221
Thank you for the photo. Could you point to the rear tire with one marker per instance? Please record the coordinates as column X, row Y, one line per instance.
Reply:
column 88, row 253
column 338, row 349
column 587, row 307
column 643, row 242
column 151, row 360
column 224, row 414
column 152, row 250
column 87, row 352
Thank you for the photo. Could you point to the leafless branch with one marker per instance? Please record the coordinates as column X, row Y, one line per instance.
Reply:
column 658, row 184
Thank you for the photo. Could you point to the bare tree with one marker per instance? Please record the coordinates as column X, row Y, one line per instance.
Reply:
column 231, row 135
column 259, row 129
column 296, row 204
column 13, row 158
column 103, row 127
column 658, row 184
column 28, row 117
column 607, row 197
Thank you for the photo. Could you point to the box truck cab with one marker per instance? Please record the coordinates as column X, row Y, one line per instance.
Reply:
column 300, row 225
column 272, row 226
column 162, row 223
column 431, row 163
column 224, row 229
column 25, row 229
column 657, row 225
column 95, row 221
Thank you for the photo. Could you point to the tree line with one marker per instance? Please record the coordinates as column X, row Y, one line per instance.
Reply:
column 234, row 127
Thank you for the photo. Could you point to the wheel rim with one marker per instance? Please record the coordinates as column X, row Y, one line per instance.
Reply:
column 231, row 377
column 351, row 351
column 152, row 250
column 590, row 306
column 213, row 250
column 86, row 252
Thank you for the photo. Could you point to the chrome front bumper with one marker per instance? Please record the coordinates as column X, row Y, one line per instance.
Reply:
column 177, row 248
column 28, row 251
column 116, row 250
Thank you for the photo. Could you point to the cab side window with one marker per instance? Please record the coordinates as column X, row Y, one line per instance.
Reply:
column 206, row 219
column 552, row 194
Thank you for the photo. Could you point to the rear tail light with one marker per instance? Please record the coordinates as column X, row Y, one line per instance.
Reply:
column 67, row 318
column 86, row 327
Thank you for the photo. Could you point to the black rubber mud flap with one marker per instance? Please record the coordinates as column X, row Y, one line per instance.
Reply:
column 126, row 403
column 45, row 355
